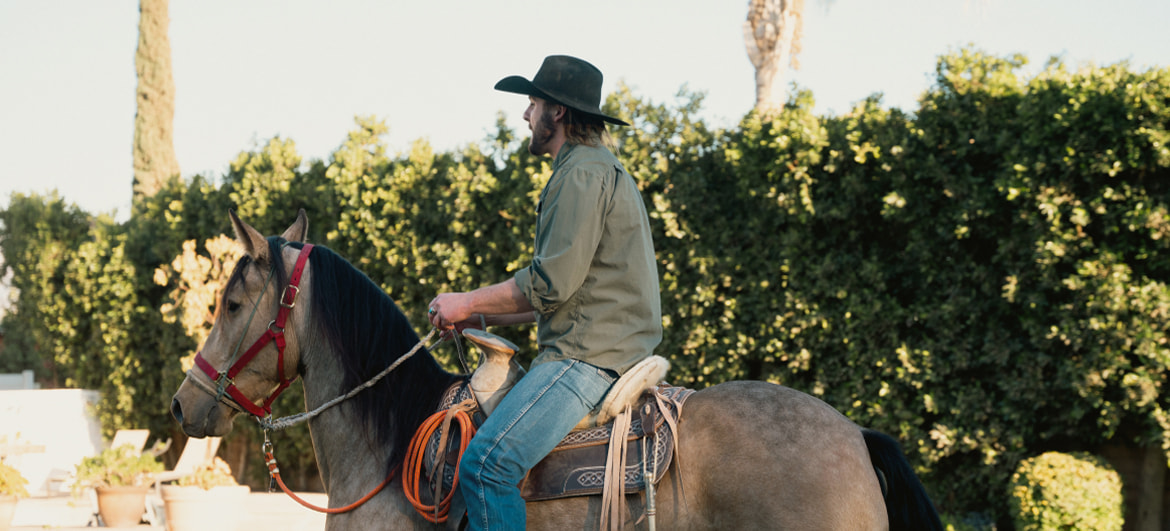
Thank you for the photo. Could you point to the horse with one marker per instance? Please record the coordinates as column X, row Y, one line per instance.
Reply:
column 750, row 454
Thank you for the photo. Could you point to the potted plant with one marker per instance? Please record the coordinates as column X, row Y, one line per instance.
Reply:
column 121, row 478
column 11, row 489
column 209, row 498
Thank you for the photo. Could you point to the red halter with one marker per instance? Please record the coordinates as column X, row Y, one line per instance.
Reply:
column 224, row 380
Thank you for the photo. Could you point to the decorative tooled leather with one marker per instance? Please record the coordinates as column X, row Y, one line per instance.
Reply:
column 576, row 467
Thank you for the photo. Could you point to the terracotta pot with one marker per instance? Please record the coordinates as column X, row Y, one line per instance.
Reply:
column 121, row 506
column 7, row 510
column 196, row 509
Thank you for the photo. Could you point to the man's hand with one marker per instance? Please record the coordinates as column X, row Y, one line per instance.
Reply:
column 503, row 302
column 448, row 309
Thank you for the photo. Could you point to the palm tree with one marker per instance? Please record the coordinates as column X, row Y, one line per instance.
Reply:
column 772, row 34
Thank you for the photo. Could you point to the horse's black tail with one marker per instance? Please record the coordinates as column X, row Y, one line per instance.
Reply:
column 907, row 504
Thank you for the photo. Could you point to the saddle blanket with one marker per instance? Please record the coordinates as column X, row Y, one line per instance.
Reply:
column 576, row 467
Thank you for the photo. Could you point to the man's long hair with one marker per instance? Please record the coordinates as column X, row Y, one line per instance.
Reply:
column 587, row 129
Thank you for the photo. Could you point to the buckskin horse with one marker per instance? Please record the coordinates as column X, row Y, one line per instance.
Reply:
column 750, row 455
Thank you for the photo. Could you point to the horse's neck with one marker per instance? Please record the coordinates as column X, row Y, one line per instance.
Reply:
column 350, row 460
column 352, row 465
column 346, row 456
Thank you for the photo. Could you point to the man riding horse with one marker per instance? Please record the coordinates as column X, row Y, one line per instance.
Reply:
column 591, row 288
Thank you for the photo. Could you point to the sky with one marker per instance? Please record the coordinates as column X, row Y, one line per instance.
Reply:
column 249, row 70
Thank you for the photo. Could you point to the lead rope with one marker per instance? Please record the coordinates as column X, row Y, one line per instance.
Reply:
column 274, row 473
column 267, row 425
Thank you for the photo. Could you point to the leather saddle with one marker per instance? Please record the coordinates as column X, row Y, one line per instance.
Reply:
column 576, row 467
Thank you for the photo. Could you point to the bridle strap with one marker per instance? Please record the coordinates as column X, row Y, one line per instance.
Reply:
column 225, row 380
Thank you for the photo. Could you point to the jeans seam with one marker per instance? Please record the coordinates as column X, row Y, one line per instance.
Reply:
column 481, row 491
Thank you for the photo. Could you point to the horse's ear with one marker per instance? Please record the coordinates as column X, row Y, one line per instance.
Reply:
column 299, row 229
column 254, row 243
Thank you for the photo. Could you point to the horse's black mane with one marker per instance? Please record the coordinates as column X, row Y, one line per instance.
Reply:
column 367, row 332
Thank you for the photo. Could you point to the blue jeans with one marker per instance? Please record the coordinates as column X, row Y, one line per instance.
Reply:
column 536, row 414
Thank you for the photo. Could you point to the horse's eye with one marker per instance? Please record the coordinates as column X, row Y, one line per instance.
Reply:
column 233, row 306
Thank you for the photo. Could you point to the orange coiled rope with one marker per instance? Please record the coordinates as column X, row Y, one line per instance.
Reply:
column 413, row 471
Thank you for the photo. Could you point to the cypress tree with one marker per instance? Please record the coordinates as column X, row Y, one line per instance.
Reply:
column 154, row 146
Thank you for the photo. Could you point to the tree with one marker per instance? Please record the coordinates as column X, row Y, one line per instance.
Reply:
column 154, row 145
column 772, row 34
column 37, row 237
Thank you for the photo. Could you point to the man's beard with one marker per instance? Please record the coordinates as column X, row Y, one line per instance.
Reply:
column 542, row 133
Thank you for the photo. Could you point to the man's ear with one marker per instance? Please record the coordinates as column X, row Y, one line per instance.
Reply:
column 559, row 113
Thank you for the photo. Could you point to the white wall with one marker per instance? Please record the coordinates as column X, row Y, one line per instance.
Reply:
column 24, row 380
column 60, row 420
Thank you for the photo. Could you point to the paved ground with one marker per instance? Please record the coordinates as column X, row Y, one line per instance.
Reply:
column 267, row 511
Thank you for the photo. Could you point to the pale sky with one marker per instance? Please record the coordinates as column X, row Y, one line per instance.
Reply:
column 248, row 70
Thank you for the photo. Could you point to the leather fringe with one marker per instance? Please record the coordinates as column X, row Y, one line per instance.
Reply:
column 613, row 495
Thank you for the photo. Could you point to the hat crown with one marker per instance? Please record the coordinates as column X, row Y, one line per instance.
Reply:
column 570, row 80
column 567, row 80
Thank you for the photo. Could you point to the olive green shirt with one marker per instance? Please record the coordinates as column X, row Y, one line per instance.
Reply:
column 593, row 278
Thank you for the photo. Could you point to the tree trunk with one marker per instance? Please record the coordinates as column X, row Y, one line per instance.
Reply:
column 1143, row 474
column 772, row 37
column 154, row 144
column 1153, row 482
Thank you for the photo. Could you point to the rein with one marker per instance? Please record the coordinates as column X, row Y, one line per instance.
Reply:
column 293, row 420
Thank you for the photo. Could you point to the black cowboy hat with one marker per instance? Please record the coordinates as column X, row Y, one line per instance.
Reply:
column 566, row 80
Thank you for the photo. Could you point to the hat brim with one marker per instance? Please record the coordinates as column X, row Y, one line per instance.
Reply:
column 520, row 85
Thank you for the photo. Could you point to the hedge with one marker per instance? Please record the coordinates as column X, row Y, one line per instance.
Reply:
column 984, row 278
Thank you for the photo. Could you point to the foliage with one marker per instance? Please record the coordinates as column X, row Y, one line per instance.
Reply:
column 1056, row 491
column 37, row 236
column 970, row 279
column 214, row 473
column 197, row 282
column 12, row 482
column 123, row 466
column 426, row 223
column 971, row 523
column 984, row 278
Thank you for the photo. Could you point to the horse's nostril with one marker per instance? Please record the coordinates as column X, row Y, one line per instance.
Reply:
column 177, row 410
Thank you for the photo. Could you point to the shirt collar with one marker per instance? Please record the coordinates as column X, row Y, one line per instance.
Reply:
column 563, row 154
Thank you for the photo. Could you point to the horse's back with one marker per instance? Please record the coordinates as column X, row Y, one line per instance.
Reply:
column 759, row 455
column 752, row 455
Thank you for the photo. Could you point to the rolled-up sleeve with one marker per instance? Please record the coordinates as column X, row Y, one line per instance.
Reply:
column 568, row 229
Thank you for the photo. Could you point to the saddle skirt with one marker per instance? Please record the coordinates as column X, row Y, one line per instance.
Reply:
column 576, row 467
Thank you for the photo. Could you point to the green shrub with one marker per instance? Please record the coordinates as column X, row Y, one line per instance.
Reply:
column 969, row 522
column 1061, row 491
column 982, row 277
column 214, row 473
column 117, row 467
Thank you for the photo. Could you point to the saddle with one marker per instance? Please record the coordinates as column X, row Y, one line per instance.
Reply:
column 628, row 439
column 577, row 466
